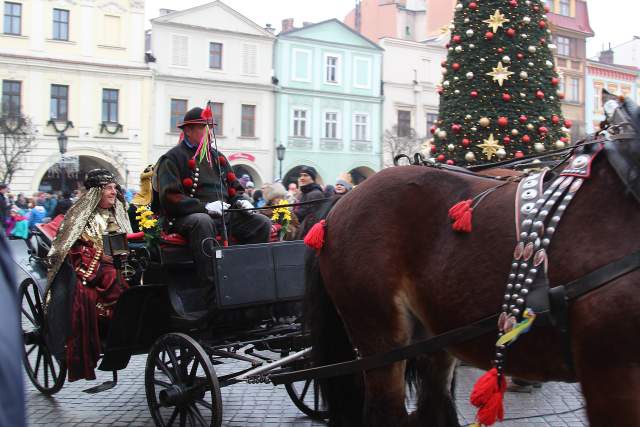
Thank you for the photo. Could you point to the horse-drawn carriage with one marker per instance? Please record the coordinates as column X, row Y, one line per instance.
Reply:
column 255, row 323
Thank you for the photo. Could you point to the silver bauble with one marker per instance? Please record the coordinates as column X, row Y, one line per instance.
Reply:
column 506, row 59
column 442, row 134
column 472, row 46
column 444, row 71
column 526, row 19
column 501, row 153
column 482, row 59
column 459, row 6
column 457, row 92
column 524, row 75
column 458, row 49
column 470, row 157
column 539, row 147
column 469, row 33
column 531, row 64
column 446, row 83
column 560, row 144
column 451, row 147
column 532, row 49
column 549, row 64
column 469, row 75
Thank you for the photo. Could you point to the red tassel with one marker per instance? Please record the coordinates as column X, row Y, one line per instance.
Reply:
column 187, row 182
column 463, row 224
column 231, row 177
column 459, row 208
column 192, row 164
column 315, row 237
column 232, row 192
column 487, row 395
column 222, row 160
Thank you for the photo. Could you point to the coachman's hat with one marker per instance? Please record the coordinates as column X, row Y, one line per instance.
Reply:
column 193, row 117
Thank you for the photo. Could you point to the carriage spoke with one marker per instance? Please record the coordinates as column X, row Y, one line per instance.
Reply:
column 307, row 383
column 54, row 375
column 163, row 367
column 31, row 305
column 192, row 420
column 37, row 295
column 173, row 416
column 204, row 403
column 194, row 370
column 197, row 414
column 45, row 366
column 161, row 383
column 316, row 396
column 31, row 319
column 183, row 418
column 174, row 361
column 33, row 347
column 35, row 371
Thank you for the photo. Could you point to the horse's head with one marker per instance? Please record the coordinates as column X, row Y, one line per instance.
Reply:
column 623, row 146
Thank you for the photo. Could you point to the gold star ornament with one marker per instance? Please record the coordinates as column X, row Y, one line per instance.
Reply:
column 500, row 73
column 496, row 20
column 490, row 147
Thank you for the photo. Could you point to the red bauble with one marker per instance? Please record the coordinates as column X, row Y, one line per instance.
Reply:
column 187, row 183
column 542, row 130
column 547, row 8
column 232, row 192
column 543, row 40
column 520, row 56
column 440, row 158
column 443, row 64
column 526, row 139
column 433, row 149
column 523, row 119
column 568, row 123
column 455, row 66
column 450, row 162
column 564, row 139
column 555, row 81
column 506, row 140
column 511, row 32
column 519, row 154
column 488, row 35
column 506, row 97
column 500, row 50
column 222, row 160
column 555, row 119
column 466, row 142
column 433, row 129
column 513, row 3
column 457, row 39
column 474, row 93
column 192, row 164
column 456, row 128
column 542, row 24
column 503, row 121
column 536, row 8
column 540, row 94
column 561, row 95
column 439, row 90
column 231, row 176
column 473, row 5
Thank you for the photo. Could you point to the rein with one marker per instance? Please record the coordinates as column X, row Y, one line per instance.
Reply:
column 290, row 205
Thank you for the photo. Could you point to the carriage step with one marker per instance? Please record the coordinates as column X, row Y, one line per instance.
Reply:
column 107, row 385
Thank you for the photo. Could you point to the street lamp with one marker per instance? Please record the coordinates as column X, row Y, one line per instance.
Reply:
column 280, row 149
column 62, row 145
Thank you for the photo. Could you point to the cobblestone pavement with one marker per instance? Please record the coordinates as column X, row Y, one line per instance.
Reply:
column 266, row 405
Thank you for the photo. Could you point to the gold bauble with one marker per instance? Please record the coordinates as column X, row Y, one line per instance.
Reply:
column 530, row 126
column 451, row 147
column 542, row 118
column 484, row 122
column 514, row 132
column 470, row 157
column 442, row 134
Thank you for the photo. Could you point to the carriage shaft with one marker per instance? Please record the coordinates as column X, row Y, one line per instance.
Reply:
column 277, row 363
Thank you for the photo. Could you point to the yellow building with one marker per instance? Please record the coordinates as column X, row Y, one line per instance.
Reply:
column 65, row 62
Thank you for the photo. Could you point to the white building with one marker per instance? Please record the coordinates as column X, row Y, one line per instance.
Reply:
column 83, row 62
column 411, row 71
column 213, row 53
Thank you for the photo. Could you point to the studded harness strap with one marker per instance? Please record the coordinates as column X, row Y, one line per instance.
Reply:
column 538, row 213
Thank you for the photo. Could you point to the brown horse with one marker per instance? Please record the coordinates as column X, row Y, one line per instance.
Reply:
column 393, row 270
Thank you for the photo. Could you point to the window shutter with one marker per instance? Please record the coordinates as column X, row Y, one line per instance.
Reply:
column 180, row 52
column 249, row 58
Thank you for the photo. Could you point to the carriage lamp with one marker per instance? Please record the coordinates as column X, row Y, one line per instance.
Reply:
column 115, row 244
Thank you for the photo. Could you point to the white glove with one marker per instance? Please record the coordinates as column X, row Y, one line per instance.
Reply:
column 244, row 204
column 215, row 208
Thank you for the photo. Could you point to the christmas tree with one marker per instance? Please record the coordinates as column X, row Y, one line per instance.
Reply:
column 499, row 96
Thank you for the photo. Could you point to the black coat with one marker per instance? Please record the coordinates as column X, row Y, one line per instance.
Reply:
column 309, row 214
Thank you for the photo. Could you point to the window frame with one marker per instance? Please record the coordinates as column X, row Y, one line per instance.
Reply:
column 11, row 95
column 574, row 93
column 59, row 25
column 59, row 100
column 597, row 96
column 12, row 18
column 211, row 55
column 337, row 68
column 367, row 130
column 335, row 122
column 176, row 115
column 306, row 120
column 564, row 45
column 398, row 133
column 253, row 120
column 562, row 4
column 108, row 103
column 219, row 129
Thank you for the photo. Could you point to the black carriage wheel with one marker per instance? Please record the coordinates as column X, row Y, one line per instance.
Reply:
column 306, row 396
column 181, row 385
column 43, row 369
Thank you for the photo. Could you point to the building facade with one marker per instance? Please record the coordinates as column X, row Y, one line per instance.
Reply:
column 328, row 101
column 570, row 29
column 213, row 53
column 604, row 74
column 83, row 62
column 401, row 19
column 411, row 71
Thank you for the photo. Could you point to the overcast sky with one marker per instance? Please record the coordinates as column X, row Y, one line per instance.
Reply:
column 614, row 21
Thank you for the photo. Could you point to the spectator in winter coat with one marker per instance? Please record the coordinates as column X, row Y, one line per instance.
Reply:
column 63, row 205
column 310, row 194
column 37, row 215
column 342, row 187
column 50, row 203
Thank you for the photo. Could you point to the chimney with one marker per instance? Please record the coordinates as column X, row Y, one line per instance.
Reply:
column 270, row 29
column 606, row 56
column 307, row 23
column 287, row 24
column 166, row 11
